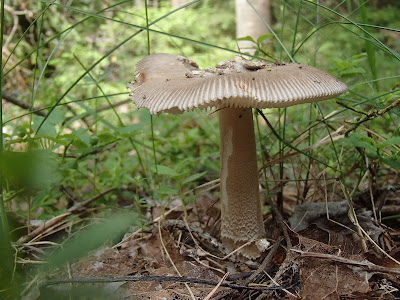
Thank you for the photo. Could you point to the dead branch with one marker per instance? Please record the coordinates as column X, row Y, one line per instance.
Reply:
column 102, row 108
column 72, row 210
column 161, row 279
column 365, row 264
column 204, row 237
column 367, row 116
column 265, row 262
column 107, row 106
column 10, row 98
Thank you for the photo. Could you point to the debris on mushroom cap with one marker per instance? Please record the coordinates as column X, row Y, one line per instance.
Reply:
column 168, row 83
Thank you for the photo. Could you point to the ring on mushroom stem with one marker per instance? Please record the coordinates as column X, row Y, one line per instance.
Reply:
column 174, row 84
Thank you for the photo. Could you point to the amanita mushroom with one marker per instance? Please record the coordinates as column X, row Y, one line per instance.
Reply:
column 174, row 84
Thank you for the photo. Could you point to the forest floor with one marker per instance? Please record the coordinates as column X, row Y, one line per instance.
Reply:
column 312, row 255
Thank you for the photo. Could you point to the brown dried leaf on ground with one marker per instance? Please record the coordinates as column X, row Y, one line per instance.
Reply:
column 338, row 222
column 323, row 279
column 190, row 246
column 147, row 257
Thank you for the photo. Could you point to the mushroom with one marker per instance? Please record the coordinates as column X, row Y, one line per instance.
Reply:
column 174, row 84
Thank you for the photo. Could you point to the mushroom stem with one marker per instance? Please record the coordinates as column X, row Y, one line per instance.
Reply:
column 241, row 215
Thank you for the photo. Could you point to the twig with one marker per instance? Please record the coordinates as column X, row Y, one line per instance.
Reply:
column 265, row 262
column 281, row 222
column 390, row 210
column 156, row 220
column 172, row 262
column 161, row 279
column 116, row 104
column 102, row 108
column 36, row 110
column 15, row 25
column 265, row 296
column 287, row 263
column 208, row 297
column 366, row 264
column 262, row 267
column 204, row 237
column 72, row 210
column 368, row 116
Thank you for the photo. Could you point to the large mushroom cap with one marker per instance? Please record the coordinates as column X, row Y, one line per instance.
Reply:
column 174, row 84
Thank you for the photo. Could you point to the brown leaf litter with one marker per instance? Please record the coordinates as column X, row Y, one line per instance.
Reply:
column 178, row 259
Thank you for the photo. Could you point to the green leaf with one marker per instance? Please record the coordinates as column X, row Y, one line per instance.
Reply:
column 131, row 130
column 30, row 170
column 166, row 190
column 81, row 138
column 394, row 141
column 89, row 150
column 361, row 141
column 351, row 71
column 47, row 128
column 194, row 177
column 263, row 37
column 246, row 38
column 106, row 137
column 56, row 117
column 163, row 170
column 358, row 58
column 60, row 141
column 392, row 161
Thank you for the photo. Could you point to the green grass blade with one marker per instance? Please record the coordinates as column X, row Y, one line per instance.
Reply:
column 368, row 46
column 379, row 44
column 6, row 254
column 5, row 231
column 59, row 34
column 100, row 60
column 286, row 143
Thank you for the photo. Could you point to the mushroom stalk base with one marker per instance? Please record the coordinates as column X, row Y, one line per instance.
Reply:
column 241, row 215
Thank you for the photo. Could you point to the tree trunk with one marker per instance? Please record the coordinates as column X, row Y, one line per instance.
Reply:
column 248, row 22
column 178, row 3
column 139, row 3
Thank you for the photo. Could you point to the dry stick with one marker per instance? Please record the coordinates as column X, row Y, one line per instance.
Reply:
column 278, row 276
column 74, row 209
column 156, row 220
column 367, row 116
column 207, row 265
column 161, row 279
column 53, row 228
column 9, row 98
column 378, row 247
column 65, row 224
column 198, row 190
column 264, row 294
column 352, row 215
column 201, row 235
column 216, row 287
column 336, row 135
column 390, row 210
column 104, row 107
column 171, row 261
column 265, row 262
column 367, row 265
column 373, row 133
column 116, row 104
column 282, row 223
column 36, row 110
